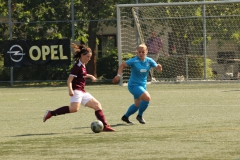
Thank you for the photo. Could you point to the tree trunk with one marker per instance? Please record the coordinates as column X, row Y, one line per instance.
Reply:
column 91, row 66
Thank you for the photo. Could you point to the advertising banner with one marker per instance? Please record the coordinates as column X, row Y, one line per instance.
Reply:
column 18, row 53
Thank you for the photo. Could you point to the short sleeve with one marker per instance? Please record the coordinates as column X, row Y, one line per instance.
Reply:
column 153, row 63
column 130, row 62
column 75, row 70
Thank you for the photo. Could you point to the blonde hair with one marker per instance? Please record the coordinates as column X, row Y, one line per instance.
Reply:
column 143, row 45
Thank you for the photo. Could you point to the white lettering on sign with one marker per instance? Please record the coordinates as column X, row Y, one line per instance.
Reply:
column 55, row 51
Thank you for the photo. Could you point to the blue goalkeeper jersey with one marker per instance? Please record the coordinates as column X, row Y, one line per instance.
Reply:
column 140, row 70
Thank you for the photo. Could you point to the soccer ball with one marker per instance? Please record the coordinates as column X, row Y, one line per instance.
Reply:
column 97, row 126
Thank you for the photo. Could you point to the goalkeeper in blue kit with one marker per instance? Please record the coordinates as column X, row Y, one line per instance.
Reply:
column 140, row 67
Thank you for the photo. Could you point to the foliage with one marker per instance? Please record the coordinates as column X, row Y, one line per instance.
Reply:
column 127, row 56
column 96, row 11
column 38, row 19
column 195, row 67
column 221, row 28
column 107, row 66
column 35, row 73
column 52, row 19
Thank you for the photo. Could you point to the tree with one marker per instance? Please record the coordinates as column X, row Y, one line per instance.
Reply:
column 40, row 19
column 28, row 19
column 96, row 11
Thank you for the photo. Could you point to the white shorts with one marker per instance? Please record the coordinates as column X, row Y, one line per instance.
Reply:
column 81, row 97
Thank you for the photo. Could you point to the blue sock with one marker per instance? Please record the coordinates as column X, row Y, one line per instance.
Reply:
column 131, row 110
column 142, row 107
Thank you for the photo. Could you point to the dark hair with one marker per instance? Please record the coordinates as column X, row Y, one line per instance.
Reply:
column 82, row 49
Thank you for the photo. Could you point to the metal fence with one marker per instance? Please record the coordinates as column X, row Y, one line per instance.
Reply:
column 10, row 28
column 201, row 38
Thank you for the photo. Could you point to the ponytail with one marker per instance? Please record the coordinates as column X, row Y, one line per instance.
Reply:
column 79, row 50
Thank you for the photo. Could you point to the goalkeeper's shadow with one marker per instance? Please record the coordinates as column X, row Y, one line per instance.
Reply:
column 120, row 124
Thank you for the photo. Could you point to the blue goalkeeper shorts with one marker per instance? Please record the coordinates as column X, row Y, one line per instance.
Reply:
column 136, row 91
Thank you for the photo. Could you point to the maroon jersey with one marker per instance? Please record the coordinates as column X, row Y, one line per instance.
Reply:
column 79, row 72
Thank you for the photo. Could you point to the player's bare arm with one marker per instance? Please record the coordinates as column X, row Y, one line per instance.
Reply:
column 159, row 68
column 69, row 84
column 91, row 77
column 119, row 74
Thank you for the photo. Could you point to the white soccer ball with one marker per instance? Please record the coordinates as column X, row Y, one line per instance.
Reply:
column 97, row 126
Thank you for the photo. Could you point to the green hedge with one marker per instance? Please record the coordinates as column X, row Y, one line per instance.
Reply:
column 176, row 66
column 107, row 67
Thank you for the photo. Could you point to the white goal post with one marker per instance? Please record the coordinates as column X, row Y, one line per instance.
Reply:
column 202, row 39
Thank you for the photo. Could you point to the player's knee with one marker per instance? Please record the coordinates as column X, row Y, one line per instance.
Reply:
column 98, row 106
column 73, row 109
column 147, row 99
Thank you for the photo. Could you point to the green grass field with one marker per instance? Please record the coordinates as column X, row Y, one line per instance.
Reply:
column 184, row 121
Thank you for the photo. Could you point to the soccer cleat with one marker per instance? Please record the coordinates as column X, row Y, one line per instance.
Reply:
column 140, row 119
column 107, row 128
column 47, row 115
column 125, row 119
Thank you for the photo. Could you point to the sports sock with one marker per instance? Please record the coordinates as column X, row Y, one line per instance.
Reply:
column 131, row 110
column 142, row 107
column 61, row 110
column 100, row 116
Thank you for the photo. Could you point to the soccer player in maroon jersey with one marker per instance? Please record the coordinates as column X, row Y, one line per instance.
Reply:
column 76, row 83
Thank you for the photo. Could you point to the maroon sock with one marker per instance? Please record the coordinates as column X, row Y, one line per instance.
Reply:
column 100, row 116
column 61, row 110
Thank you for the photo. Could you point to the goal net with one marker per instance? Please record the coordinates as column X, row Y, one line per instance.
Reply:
column 200, row 39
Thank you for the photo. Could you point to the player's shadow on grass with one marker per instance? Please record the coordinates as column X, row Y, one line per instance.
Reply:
column 28, row 135
column 112, row 125
column 120, row 124
column 237, row 90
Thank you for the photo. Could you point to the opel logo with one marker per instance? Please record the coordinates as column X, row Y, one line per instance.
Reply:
column 16, row 53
